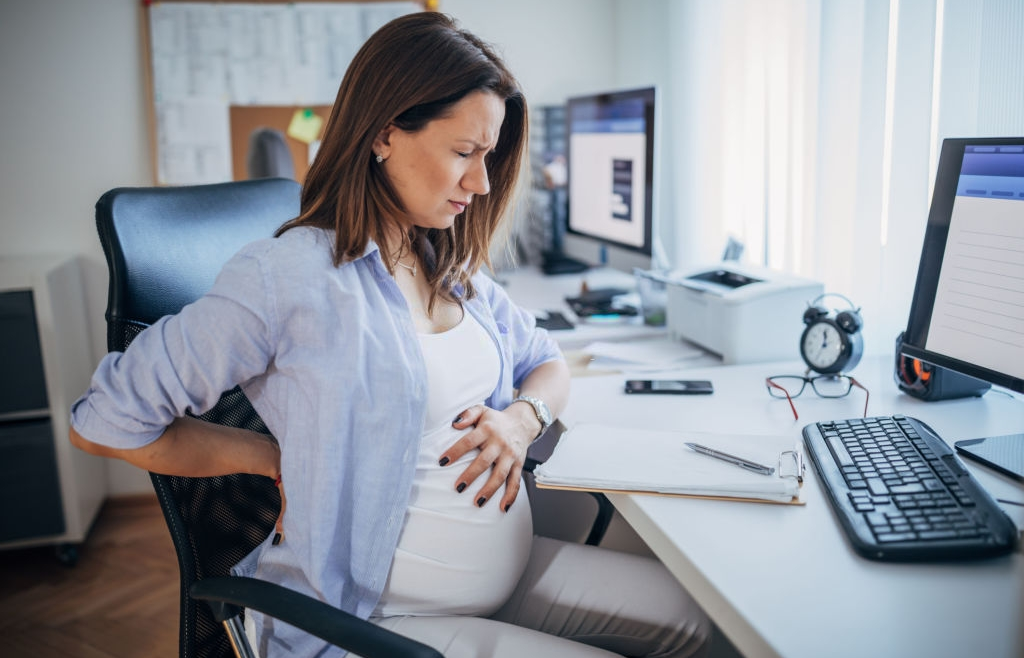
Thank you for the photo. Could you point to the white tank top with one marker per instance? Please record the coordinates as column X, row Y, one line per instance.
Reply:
column 453, row 557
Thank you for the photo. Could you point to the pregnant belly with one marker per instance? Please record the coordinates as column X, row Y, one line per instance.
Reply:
column 453, row 557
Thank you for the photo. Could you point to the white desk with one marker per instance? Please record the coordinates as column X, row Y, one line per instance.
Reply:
column 535, row 291
column 782, row 580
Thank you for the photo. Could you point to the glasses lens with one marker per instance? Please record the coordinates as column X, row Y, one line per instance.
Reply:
column 785, row 384
column 832, row 386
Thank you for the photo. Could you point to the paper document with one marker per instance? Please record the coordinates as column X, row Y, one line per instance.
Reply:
column 654, row 354
column 599, row 458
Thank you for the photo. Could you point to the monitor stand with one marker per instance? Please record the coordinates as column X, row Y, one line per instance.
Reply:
column 555, row 262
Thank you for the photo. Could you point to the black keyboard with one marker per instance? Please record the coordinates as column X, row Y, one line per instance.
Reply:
column 900, row 493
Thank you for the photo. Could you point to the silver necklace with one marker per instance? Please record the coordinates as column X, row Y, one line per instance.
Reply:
column 411, row 268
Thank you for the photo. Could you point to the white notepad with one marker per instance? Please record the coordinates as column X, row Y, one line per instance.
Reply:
column 593, row 457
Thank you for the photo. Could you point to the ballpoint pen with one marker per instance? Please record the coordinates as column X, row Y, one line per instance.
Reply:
column 732, row 459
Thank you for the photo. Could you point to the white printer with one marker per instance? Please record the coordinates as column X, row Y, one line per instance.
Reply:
column 743, row 313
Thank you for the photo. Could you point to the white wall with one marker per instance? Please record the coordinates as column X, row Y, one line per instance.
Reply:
column 556, row 48
column 643, row 58
column 73, row 117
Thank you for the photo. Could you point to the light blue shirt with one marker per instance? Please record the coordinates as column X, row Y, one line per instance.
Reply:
column 329, row 358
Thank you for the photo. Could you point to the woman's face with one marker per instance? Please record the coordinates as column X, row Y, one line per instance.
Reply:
column 437, row 170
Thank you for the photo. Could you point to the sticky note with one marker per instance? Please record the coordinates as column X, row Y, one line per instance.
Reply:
column 305, row 126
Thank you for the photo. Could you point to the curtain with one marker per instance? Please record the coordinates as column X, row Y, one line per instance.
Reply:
column 809, row 130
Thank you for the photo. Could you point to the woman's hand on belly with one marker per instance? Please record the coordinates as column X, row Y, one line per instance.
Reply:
column 502, row 440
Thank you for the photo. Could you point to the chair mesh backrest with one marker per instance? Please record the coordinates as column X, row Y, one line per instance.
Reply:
column 164, row 247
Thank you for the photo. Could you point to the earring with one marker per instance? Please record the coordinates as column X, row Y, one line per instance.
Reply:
column 380, row 158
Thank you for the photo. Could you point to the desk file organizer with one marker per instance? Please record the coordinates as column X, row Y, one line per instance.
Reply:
column 591, row 457
column 599, row 302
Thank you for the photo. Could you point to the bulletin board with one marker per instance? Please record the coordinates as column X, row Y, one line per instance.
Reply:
column 218, row 70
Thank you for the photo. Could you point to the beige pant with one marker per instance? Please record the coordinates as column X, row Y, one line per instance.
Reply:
column 622, row 603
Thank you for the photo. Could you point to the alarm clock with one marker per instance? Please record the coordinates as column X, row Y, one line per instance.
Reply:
column 831, row 342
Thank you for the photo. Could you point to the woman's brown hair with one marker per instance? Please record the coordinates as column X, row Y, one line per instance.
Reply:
column 410, row 72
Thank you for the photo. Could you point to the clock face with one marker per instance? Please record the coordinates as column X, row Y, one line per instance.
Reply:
column 822, row 346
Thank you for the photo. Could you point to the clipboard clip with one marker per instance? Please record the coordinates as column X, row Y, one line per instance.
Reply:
column 791, row 465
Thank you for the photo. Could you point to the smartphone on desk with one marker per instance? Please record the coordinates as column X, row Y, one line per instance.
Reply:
column 669, row 386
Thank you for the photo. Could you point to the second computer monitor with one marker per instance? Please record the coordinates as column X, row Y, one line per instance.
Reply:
column 611, row 177
column 968, row 306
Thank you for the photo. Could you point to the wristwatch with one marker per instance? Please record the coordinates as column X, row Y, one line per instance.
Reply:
column 539, row 408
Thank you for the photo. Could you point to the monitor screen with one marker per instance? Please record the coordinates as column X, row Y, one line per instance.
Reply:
column 967, row 312
column 610, row 159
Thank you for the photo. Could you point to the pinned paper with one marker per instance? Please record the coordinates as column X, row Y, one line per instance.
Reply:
column 305, row 126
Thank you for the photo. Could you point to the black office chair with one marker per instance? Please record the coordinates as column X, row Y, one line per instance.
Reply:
column 164, row 247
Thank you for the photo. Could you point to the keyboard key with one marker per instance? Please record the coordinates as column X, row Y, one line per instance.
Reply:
column 876, row 519
column 877, row 486
column 843, row 458
column 907, row 488
column 896, row 536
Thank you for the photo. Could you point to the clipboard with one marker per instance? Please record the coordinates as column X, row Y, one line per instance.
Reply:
column 592, row 457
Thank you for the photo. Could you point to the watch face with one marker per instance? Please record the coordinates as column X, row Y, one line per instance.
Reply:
column 545, row 414
column 823, row 347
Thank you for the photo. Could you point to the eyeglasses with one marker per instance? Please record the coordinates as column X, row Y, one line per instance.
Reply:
column 824, row 386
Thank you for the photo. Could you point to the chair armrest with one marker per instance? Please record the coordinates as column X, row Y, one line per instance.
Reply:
column 539, row 452
column 311, row 615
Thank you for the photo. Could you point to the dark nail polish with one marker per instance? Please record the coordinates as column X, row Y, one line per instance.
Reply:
column 277, row 538
column 457, row 419
column 443, row 461
column 508, row 506
column 480, row 501
column 461, row 487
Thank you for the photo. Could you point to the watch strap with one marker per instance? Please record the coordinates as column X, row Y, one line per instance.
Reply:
column 540, row 409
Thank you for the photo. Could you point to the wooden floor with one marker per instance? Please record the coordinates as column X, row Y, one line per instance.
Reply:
column 119, row 601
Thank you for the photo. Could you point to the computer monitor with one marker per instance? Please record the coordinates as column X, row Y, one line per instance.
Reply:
column 610, row 144
column 967, row 312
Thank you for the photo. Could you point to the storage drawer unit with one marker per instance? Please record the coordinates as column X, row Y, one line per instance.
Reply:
column 50, row 492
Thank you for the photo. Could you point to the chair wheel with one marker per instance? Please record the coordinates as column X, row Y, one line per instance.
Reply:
column 67, row 554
